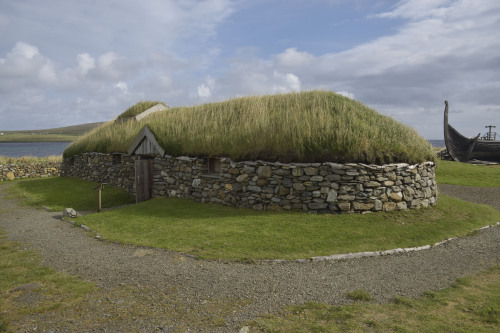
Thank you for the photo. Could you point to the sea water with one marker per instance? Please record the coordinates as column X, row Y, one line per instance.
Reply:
column 43, row 149
column 437, row 143
column 36, row 149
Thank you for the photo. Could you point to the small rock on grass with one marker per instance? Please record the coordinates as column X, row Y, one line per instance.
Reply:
column 69, row 212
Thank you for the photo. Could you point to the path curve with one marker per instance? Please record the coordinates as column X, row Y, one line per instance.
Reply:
column 252, row 289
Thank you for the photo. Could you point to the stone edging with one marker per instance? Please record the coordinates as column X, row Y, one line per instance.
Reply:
column 334, row 257
column 345, row 256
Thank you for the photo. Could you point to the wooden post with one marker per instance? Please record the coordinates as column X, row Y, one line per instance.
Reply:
column 99, row 205
column 99, row 189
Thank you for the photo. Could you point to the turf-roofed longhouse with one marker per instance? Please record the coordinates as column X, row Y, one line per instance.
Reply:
column 316, row 126
column 312, row 151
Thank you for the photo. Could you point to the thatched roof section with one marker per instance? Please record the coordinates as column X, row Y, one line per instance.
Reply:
column 315, row 126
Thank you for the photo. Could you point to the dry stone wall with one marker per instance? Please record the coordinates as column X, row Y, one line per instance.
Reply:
column 312, row 187
column 29, row 170
column 114, row 169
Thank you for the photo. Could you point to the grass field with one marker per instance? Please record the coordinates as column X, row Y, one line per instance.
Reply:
column 29, row 159
column 59, row 192
column 470, row 305
column 310, row 126
column 214, row 231
column 466, row 174
column 69, row 133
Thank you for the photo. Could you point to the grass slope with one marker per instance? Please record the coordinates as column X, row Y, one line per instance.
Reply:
column 69, row 133
column 313, row 126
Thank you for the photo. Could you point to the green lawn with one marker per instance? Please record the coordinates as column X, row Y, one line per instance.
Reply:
column 455, row 173
column 215, row 231
column 60, row 192
column 28, row 137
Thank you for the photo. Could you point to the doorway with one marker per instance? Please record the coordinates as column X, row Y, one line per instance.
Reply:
column 143, row 179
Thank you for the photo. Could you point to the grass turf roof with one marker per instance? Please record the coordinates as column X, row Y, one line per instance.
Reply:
column 314, row 126
column 138, row 108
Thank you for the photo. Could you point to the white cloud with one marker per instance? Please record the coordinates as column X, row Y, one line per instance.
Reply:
column 24, row 50
column 47, row 73
column 85, row 63
column 205, row 89
column 293, row 58
column 284, row 83
column 346, row 94
column 415, row 10
column 123, row 87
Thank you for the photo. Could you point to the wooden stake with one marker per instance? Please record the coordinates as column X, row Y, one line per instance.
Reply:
column 99, row 205
column 99, row 188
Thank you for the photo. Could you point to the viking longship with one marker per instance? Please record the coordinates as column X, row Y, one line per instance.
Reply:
column 463, row 149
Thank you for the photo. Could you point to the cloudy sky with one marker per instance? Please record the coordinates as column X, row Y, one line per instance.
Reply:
column 67, row 62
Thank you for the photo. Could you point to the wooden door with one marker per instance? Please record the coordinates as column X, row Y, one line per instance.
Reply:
column 143, row 180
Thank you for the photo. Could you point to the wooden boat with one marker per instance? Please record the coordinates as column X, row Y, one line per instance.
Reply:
column 463, row 149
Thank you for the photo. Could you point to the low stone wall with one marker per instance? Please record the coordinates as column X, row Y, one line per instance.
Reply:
column 312, row 187
column 115, row 169
column 29, row 170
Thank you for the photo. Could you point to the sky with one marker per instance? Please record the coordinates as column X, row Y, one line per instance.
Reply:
column 69, row 62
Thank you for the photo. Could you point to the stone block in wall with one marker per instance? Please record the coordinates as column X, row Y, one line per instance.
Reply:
column 389, row 206
column 297, row 172
column 261, row 182
column 242, row 178
column 282, row 172
column 346, row 197
column 248, row 170
column 344, row 206
column 401, row 206
column 283, row 191
column 254, row 188
column 372, row 184
column 299, row 186
column 264, row 171
column 396, row 196
column 317, row 205
column 361, row 206
column 332, row 196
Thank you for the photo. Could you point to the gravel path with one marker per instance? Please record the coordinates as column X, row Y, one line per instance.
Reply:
column 150, row 290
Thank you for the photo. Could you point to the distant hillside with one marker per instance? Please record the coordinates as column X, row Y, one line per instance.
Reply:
column 68, row 133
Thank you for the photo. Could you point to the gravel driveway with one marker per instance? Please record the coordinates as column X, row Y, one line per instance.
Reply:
column 150, row 290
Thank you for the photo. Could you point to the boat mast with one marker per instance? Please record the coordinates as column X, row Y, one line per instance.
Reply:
column 489, row 132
